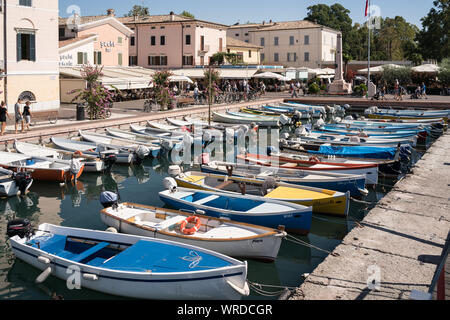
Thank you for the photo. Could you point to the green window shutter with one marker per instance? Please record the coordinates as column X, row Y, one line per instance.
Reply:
column 19, row 47
column 120, row 59
column 80, row 58
column 85, row 58
column 32, row 47
column 99, row 58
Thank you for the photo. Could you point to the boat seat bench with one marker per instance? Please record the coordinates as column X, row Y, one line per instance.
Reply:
column 205, row 200
column 86, row 254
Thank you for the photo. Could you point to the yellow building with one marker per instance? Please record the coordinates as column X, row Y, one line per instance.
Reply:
column 248, row 53
column 32, row 60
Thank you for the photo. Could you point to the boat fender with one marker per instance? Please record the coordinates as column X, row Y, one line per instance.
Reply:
column 192, row 220
column 170, row 184
column 44, row 260
column 174, row 171
column 200, row 212
column 112, row 230
column 44, row 275
column 109, row 199
column 90, row 276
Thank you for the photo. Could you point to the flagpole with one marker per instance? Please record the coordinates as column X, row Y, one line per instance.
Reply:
column 368, row 46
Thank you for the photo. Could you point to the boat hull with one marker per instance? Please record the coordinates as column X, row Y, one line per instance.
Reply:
column 47, row 174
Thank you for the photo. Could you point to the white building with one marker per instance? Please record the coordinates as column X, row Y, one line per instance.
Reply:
column 290, row 44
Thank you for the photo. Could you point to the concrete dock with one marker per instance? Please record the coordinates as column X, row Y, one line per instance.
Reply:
column 399, row 243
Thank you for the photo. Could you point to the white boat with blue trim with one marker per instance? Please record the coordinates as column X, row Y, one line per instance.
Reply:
column 131, row 266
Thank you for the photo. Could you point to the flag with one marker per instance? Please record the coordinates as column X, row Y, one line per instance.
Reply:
column 367, row 7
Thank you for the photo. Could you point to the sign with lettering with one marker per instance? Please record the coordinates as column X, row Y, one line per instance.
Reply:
column 66, row 60
column 107, row 45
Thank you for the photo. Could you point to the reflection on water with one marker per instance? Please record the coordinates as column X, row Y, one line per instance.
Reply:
column 77, row 205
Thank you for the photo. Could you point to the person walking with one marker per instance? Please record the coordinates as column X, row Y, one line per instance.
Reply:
column 18, row 115
column 396, row 90
column 27, row 115
column 424, row 91
column 3, row 115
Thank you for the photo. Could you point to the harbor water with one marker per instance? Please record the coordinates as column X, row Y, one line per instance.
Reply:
column 77, row 205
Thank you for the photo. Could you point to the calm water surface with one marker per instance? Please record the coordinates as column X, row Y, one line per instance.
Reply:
column 78, row 206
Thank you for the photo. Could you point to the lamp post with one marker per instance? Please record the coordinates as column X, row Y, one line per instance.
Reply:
column 210, row 94
column 5, row 53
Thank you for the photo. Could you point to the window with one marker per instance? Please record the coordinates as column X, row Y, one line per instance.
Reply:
column 237, row 34
column 247, row 41
column 306, row 56
column 26, row 46
column 157, row 60
column 249, row 53
column 163, row 40
column 120, row 59
column 262, row 42
column 119, row 40
column 275, row 57
column 188, row 60
column 291, row 40
column 292, row 56
column 246, row 34
column 26, row 3
column 202, row 43
column 62, row 32
column 133, row 60
column 188, row 39
column 153, row 41
column 306, row 40
column 220, row 44
column 275, row 41
column 97, row 57
column 263, row 57
column 82, row 58
column 132, row 41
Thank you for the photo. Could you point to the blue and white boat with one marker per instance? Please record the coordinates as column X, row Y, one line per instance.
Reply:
column 356, row 184
column 385, row 135
column 248, row 209
column 131, row 266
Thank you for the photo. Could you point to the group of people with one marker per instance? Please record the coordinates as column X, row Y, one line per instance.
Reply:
column 22, row 117
column 294, row 89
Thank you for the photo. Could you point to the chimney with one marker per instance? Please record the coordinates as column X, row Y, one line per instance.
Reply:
column 111, row 12
column 172, row 16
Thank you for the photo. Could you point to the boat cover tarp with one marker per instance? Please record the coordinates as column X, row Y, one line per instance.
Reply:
column 357, row 152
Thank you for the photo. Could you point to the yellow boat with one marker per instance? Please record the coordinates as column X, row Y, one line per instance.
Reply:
column 394, row 117
column 323, row 201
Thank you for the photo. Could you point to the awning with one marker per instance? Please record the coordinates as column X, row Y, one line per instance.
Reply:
column 123, row 78
column 177, row 78
column 427, row 68
column 225, row 73
column 271, row 75
column 379, row 69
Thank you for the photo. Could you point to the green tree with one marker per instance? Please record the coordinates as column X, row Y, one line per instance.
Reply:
column 139, row 11
column 434, row 38
column 444, row 74
column 187, row 14
column 402, row 74
column 335, row 16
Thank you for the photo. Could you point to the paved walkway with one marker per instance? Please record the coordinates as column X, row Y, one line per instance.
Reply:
column 399, row 243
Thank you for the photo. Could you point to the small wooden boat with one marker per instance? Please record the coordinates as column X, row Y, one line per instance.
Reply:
column 326, row 180
column 410, row 134
column 92, row 149
column 91, row 164
column 248, row 209
column 141, row 149
column 304, row 107
column 131, row 266
column 370, row 170
column 42, row 168
column 162, row 126
column 14, row 183
column 234, row 119
column 231, row 238
column 321, row 200
column 169, row 139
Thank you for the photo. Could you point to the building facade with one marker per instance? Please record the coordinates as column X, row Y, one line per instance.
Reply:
column 110, row 45
column 248, row 53
column 292, row 44
column 30, row 57
column 173, row 41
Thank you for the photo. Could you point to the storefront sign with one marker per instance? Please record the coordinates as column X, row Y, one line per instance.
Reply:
column 66, row 60
column 107, row 45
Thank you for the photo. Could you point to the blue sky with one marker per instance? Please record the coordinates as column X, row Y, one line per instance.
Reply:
column 232, row 11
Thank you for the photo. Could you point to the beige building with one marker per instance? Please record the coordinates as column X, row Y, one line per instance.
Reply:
column 248, row 53
column 173, row 41
column 32, row 58
column 292, row 44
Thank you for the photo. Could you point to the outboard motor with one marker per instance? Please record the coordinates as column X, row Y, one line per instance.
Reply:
column 19, row 227
column 23, row 181
column 142, row 152
column 75, row 167
column 284, row 120
column 109, row 199
column 108, row 161
column 174, row 170
column 297, row 117
column 268, row 186
column 170, row 184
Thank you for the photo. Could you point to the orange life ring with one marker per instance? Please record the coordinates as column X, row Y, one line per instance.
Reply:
column 78, row 153
column 315, row 159
column 193, row 220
